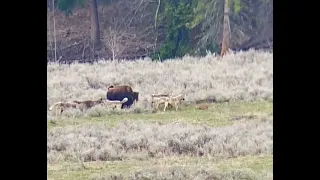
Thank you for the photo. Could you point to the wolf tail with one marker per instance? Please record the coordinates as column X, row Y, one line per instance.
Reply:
column 55, row 104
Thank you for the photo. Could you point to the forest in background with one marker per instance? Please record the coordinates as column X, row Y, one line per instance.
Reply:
column 84, row 30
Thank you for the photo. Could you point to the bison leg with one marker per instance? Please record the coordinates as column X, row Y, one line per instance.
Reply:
column 124, row 106
column 129, row 102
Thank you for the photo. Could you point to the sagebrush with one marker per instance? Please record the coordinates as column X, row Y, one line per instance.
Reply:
column 236, row 76
column 76, row 143
column 130, row 139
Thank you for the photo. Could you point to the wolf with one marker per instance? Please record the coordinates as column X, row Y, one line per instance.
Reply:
column 173, row 101
column 61, row 106
column 88, row 103
column 157, row 97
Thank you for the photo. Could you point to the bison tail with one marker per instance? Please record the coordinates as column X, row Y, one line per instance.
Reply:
column 124, row 100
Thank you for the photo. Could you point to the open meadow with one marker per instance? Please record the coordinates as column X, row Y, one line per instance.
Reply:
column 232, row 139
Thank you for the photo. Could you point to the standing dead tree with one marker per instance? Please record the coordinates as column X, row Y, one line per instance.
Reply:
column 95, row 30
column 250, row 24
column 130, row 32
column 127, row 31
column 155, row 25
column 226, row 29
column 124, row 45
column 114, row 42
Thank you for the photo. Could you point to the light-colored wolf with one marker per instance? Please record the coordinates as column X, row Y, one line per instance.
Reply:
column 174, row 101
column 61, row 106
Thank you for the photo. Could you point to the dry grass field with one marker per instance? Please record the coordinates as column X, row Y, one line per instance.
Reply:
column 232, row 139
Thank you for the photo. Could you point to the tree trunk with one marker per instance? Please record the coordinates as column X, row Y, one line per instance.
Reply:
column 226, row 27
column 54, row 34
column 95, row 31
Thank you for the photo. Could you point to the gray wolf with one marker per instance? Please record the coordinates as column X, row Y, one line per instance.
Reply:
column 118, row 93
column 61, row 106
column 88, row 103
column 174, row 101
column 156, row 97
column 159, row 100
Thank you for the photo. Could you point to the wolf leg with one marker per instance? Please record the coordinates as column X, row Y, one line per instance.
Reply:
column 165, row 106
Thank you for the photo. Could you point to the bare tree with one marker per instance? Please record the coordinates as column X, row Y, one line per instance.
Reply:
column 155, row 25
column 130, row 32
column 226, row 28
column 122, row 44
column 113, row 42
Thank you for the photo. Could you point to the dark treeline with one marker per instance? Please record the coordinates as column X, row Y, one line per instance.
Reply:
column 160, row 29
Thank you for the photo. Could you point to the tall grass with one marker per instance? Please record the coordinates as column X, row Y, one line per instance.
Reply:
column 143, row 140
column 237, row 76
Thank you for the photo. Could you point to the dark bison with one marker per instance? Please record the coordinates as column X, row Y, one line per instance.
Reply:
column 135, row 96
column 117, row 93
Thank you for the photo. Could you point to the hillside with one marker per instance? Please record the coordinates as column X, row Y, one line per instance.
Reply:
column 128, row 30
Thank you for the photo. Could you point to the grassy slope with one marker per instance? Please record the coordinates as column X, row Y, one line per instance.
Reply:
column 70, row 171
column 218, row 115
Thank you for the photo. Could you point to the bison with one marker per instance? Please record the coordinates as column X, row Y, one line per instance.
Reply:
column 118, row 93
column 135, row 96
